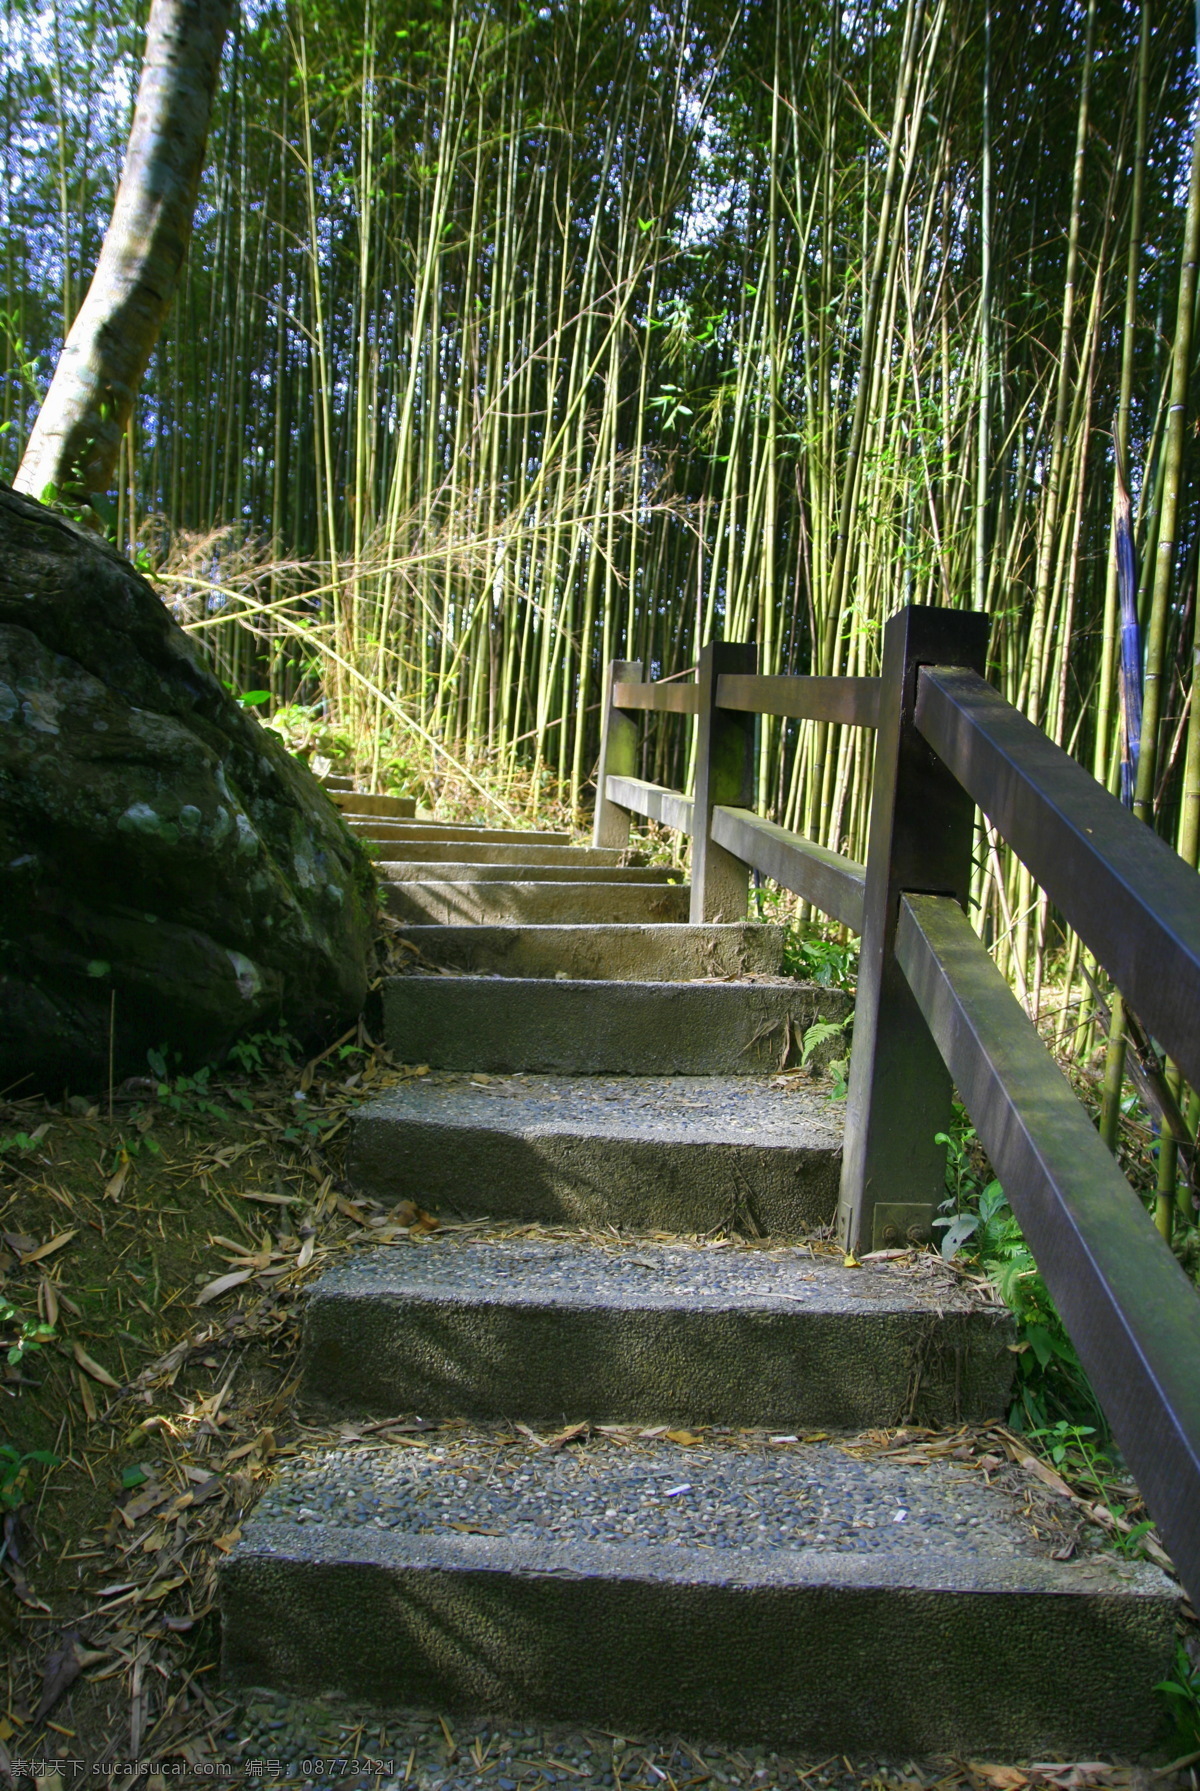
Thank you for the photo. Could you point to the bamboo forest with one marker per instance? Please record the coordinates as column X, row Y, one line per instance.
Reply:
column 516, row 339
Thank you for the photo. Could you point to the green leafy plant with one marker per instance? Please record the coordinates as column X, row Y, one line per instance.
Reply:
column 819, row 1033
column 263, row 1051
column 1181, row 1695
column 14, row 1472
column 183, row 1095
column 832, row 963
column 17, row 1144
column 980, row 1227
column 25, row 1334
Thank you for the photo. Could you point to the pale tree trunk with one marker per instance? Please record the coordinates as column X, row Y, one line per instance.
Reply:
column 75, row 442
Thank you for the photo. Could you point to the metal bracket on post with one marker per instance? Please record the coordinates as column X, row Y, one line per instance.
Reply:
column 618, row 755
column 725, row 774
column 922, row 822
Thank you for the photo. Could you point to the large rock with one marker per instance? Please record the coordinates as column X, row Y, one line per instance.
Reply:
column 157, row 844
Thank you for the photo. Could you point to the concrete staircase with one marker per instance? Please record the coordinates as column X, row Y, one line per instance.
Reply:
column 636, row 1204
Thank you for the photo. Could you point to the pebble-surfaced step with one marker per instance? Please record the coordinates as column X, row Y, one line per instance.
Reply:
column 483, row 870
column 501, row 852
column 363, row 822
column 535, row 1327
column 440, row 902
column 605, row 953
column 676, row 1153
column 592, row 1027
column 359, row 802
column 794, row 1596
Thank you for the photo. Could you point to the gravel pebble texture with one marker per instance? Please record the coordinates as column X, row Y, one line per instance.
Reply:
column 710, row 1497
column 797, row 1592
column 659, row 1109
column 539, row 1271
column 676, row 1153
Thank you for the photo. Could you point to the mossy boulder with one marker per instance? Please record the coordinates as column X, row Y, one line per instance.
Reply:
column 165, row 865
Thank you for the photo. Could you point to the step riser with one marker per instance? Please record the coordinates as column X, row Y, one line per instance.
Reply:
column 828, row 1660
column 780, row 1370
column 402, row 808
column 442, row 903
column 425, row 870
column 620, row 953
column 634, row 1184
column 606, row 1028
column 450, row 830
column 467, row 851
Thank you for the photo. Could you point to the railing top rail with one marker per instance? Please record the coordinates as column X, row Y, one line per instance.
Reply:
column 1126, row 1302
column 854, row 701
column 667, row 698
column 1132, row 900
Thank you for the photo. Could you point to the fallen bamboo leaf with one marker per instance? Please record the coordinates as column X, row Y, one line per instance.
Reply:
column 305, row 1254
column 1046, row 1475
column 685, row 1438
column 48, row 1300
column 225, row 1543
column 63, row 1668
column 568, row 1435
column 40, row 1255
column 114, row 1188
column 221, row 1285
column 92, row 1367
column 90, row 1409
column 272, row 1199
column 146, row 1501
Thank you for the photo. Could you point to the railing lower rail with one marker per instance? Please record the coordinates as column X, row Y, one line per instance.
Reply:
column 931, row 1005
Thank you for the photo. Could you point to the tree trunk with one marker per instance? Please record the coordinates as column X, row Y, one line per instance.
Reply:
column 77, row 436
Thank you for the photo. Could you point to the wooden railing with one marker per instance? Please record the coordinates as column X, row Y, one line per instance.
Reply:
column 932, row 1011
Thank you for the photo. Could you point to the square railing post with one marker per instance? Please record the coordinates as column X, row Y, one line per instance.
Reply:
column 618, row 754
column 922, row 824
column 726, row 758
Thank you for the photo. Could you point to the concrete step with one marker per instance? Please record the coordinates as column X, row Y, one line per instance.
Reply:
column 606, row 1028
column 501, row 852
column 448, row 830
column 472, row 870
column 671, row 1153
column 665, row 954
column 651, row 1333
column 360, row 803
column 444, row 903
column 791, row 1595
column 335, row 784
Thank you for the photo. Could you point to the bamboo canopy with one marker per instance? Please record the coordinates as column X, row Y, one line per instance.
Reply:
column 513, row 340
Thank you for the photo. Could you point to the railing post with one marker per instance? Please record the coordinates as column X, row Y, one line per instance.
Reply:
column 725, row 772
column 922, row 822
column 618, row 754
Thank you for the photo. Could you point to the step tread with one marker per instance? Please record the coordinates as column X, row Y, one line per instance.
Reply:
column 732, row 1588
column 684, row 1109
column 628, row 1332
column 831, row 1517
column 640, row 1275
column 438, row 902
column 430, row 870
column 465, row 851
column 415, row 827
